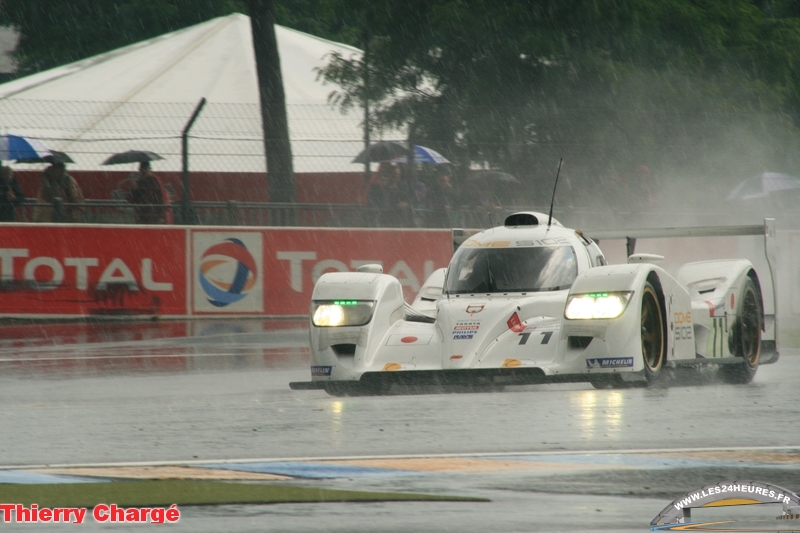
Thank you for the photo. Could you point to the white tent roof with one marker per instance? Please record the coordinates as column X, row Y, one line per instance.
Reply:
column 141, row 96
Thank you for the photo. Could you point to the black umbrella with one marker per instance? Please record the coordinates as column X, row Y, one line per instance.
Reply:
column 493, row 175
column 132, row 156
column 54, row 157
column 382, row 151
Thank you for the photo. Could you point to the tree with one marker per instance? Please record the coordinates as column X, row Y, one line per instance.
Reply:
column 512, row 83
column 273, row 102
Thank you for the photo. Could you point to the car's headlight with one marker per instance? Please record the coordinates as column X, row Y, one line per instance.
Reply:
column 334, row 313
column 597, row 305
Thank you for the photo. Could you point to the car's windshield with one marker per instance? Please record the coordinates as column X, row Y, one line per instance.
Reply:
column 543, row 268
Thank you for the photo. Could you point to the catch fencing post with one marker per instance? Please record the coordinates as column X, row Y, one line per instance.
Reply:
column 186, row 208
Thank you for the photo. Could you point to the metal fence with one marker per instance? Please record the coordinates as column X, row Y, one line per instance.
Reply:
column 228, row 138
column 224, row 138
column 358, row 216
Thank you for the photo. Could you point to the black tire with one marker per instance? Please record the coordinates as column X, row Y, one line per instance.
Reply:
column 745, row 337
column 654, row 346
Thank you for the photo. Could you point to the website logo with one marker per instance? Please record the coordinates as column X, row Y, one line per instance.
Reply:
column 677, row 516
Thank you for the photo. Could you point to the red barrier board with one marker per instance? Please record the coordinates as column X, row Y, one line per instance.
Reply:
column 293, row 260
column 73, row 270
column 82, row 270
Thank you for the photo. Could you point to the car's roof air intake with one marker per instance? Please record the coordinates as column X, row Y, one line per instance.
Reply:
column 522, row 219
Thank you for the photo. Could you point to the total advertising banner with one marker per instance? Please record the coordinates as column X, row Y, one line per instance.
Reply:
column 83, row 270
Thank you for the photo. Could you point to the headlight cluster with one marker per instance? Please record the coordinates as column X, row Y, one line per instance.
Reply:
column 333, row 313
column 597, row 305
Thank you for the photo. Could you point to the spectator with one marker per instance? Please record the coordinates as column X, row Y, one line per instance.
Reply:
column 10, row 195
column 389, row 198
column 441, row 201
column 149, row 197
column 56, row 183
column 416, row 193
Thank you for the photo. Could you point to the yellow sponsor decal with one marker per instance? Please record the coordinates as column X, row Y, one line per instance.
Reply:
column 700, row 526
column 473, row 243
column 511, row 363
column 731, row 501
column 391, row 367
column 683, row 318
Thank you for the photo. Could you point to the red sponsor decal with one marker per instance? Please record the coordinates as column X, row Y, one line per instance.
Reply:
column 409, row 340
column 515, row 324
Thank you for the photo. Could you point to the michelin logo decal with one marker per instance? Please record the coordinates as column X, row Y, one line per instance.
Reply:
column 321, row 370
column 610, row 362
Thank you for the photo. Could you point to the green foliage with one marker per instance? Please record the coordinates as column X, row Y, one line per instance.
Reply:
column 608, row 83
column 323, row 18
column 165, row 492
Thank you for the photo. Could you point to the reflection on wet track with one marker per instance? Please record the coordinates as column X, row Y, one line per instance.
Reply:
column 167, row 346
column 117, row 399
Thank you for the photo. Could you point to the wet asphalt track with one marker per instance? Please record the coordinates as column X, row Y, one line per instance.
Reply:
column 211, row 391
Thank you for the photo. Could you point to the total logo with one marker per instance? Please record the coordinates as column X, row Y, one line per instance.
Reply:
column 229, row 272
column 44, row 273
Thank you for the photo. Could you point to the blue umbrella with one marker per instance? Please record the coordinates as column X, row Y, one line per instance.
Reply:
column 16, row 147
column 423, row 154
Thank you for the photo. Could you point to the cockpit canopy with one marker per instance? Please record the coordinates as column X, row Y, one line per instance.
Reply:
column 514, row 269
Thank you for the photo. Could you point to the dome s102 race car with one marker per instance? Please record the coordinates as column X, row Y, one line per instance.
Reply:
column 534, row 302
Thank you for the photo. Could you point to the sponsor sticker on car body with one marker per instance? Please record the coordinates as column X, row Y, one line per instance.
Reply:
column 321, row 370
column 610, row 362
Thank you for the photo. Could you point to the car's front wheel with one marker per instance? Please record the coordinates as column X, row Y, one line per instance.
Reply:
column 654, row 347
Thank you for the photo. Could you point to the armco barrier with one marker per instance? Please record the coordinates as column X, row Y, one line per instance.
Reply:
column 64, row 270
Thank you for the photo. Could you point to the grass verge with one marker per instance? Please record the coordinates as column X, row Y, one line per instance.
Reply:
column 192, row 492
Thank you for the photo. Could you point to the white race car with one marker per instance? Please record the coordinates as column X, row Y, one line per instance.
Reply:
column 534, row 302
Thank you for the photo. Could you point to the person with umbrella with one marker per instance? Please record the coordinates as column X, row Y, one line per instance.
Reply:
column 390, row 203
column 151, row 203
column 10, row 195
column 58, row 186
column 150, row 199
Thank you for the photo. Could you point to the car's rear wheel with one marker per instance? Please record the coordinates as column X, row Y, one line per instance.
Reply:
column 745, row 340
column 654, row 347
